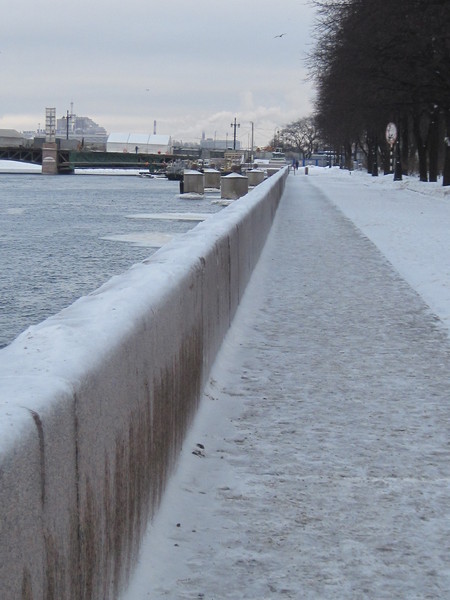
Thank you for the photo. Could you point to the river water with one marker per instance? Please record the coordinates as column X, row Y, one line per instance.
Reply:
column 61, row 237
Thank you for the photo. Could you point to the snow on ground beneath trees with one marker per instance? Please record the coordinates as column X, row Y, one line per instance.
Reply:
column 408, row 220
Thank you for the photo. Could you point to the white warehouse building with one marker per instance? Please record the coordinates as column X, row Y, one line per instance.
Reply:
column 139, row 143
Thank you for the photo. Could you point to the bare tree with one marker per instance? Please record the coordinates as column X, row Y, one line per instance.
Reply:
column 301, row 136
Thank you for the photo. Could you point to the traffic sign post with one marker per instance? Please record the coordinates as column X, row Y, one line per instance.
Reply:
column 392, row 140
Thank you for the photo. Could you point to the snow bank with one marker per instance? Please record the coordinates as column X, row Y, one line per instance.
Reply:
column 96, row 400
column 16, row 167
column 407, row 220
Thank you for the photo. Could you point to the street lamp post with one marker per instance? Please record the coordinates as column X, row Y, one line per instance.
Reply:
column 67, row 125
column 234, row 125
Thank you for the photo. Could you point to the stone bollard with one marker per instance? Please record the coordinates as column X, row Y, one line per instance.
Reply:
column 255, row 177
column 212, row 178
column 271, row 171
column 194, row 182
column 306, row 170
column 233, row 186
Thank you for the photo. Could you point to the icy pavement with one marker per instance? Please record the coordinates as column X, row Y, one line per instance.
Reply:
column 318, row 466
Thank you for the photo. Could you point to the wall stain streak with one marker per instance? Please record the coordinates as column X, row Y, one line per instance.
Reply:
column 55, row 573
column 40, row 430
column 89, row 547
column 75, row 525
column 74, row 558
column 27, row 589
column 112, row 527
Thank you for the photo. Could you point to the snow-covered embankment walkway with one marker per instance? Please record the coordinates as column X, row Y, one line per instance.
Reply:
column 325, row 426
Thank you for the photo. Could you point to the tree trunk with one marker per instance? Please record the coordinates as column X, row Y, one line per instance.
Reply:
column 369, row 157
column 420, row 128
column 369, row 145
column 387, row 158
column 404, row 145
column 423, row 170
column 348, row 156
column 433, row 145
column 446, row 180
column 375, row 158
column 398, row 175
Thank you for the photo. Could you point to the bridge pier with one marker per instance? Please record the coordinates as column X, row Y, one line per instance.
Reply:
column 50, row 158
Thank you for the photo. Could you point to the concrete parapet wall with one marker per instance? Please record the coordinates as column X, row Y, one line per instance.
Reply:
column 96, row 400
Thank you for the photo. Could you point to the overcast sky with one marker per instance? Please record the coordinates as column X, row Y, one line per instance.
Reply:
column 190, row 65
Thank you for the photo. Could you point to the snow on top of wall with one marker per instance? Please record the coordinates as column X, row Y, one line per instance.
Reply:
column 235, row 176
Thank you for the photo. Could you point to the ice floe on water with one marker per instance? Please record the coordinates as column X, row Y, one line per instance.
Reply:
column 171, row 216
column 15, row 211
column 145, row 239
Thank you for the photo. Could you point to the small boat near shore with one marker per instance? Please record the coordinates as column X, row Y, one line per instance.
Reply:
column 174, row 176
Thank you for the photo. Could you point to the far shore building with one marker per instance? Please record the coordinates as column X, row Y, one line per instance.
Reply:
column 80, row 128
column 10, row 138
column 213, row 144
column 139, row 143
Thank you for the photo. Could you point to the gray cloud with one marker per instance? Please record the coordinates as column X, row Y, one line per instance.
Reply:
column 201, row 63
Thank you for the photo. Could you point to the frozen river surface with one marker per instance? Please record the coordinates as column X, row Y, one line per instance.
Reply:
column 62, row 237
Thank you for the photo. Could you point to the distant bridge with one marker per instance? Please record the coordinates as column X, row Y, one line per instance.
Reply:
column 68, row 160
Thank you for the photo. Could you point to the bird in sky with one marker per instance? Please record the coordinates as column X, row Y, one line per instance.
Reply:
column 280, row 36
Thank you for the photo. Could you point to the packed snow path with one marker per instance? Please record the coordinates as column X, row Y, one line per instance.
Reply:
column 326, row 460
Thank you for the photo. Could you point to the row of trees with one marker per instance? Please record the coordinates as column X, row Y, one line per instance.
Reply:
column 381, row 61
